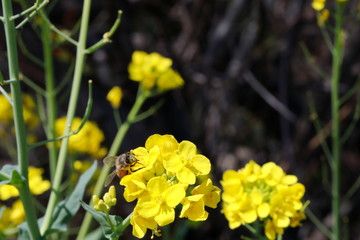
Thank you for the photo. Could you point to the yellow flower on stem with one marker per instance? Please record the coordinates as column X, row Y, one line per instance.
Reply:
column 163, row 178
column 153, row 71
column 115, row 96
column 322, row 17
column 265, row 193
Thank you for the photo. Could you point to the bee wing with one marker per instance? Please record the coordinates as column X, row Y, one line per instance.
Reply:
column 110, row 161
column 109, row 178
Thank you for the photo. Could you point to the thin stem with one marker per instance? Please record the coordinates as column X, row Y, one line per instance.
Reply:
column 117, row 117
column 19, row 123
column 113, row 151
column 79, row 66
column 353, row 188
column 349, row 93
column 335, row 118
column 32, row 13
column 109, row 221
column 106, row 36
column 320, row 129
column 311, row 61
column 58, row 31
column 149, row 112
column 26, row 11
column 33, row 85
column 2, row 90
column 125, row 223
column 27, row 53
column 50, row 94
column 351, row 127
column 82, row 123
column 318, row 223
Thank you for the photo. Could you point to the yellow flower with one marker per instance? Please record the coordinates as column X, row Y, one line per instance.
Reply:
column 169, row 80
column 153, row 71
column 194, row 208
column 141, row 224
column 12, row 217
column 36, row 184
column 87, row 141
column 29, row 111
column 6, row 115
column 115, row 96
column 211, row 193
column 8, row 191
column 164, row 177
column 271, row 231
column 264, row 193
column 318, row 5
column 187, row 164
column 322, row 17
column 160, row 200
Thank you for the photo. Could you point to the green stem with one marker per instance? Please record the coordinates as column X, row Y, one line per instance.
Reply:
column 318, row 223
column 113, row 151
column 21, row 144
column 50, row 94
column 335, row 119
column 79, row 66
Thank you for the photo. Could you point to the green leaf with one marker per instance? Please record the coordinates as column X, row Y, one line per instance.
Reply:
column 67, row 208
column 96, row 234
column 7, row 174
column 100, row 217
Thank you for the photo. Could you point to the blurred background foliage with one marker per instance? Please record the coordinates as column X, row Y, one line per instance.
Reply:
column 247, row 79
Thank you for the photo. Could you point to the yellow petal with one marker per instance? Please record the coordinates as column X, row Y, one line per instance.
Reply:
column 165, row 216
column 186, row 176
column 249, row 216
column 201, row 164
column 173, row 163
column 263, row 210
column 157, row 185
column 187, row 149
column 174, row 195
column 148, row 209
column 281, row 221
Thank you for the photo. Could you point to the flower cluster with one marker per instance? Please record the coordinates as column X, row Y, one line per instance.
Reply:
column 109, row 200
column 164, row 176
column 265, row 193
column 154, row 71
column 12, row 216
column 87, row 141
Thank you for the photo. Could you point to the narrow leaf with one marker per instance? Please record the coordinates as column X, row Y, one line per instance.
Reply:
column 67, row 208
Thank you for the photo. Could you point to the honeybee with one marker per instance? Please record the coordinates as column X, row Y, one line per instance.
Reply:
column 122, row 163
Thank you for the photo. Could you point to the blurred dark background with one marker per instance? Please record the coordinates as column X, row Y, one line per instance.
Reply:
column 246, row 93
